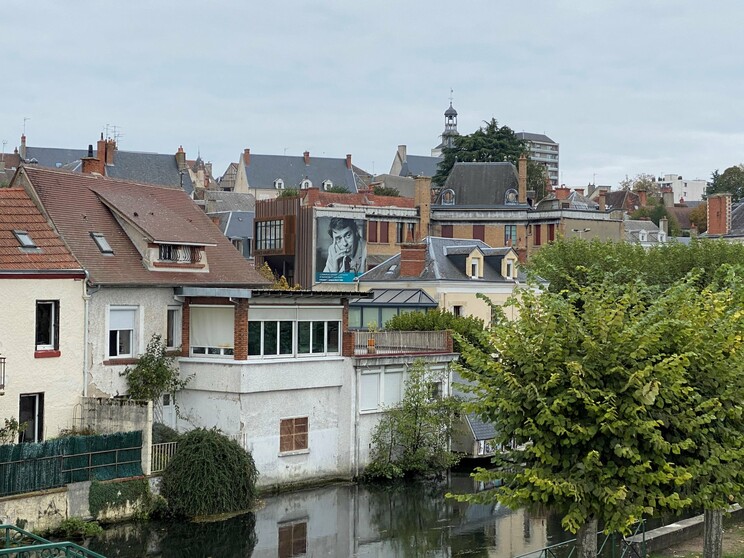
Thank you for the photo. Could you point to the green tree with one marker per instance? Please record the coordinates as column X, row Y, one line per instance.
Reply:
column 655, row 210
column 571, row 264
column 489, row 143
column 643, row 181
column 412, row 438
column 586, row 393
column 537, row 179
column 380, row 190
column 154, row 375
column 731, row 181
column 338, row 189
column 209, row 474
column 715, row 370
column 699, row 217
column 289, row 193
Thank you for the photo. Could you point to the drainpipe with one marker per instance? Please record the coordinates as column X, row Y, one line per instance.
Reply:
column 86, row 309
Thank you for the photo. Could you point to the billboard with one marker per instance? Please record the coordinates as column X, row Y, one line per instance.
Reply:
column 340, row 249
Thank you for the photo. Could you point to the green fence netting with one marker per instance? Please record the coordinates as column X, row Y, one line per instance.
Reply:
column 30, row 467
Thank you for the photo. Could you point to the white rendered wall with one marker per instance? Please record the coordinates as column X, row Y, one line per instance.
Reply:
column 59, row 378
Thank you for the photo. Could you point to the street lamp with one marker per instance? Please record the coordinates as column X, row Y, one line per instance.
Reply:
column 581, row 232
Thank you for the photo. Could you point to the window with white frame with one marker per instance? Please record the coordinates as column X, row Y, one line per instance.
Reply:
column 509, row 269
column 270, row 338
column 173, row 327
column 212, row 331
column 305, row 184
column 327, row 185
column 379, row 389
column 318, row 337
column 121, row 331
column 47, row 325
column 279, row 184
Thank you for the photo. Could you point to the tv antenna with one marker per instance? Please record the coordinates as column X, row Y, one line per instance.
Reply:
column 113, row 132
column 25, row 118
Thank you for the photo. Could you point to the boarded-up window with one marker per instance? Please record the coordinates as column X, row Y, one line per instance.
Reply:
column 447, row 231
column 551, row 233
column 293, row 434
column 293, row 540
column 538, row 235
column 479, row 232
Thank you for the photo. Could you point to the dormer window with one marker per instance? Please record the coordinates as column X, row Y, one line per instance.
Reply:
column 448, row 197
column 327, row 185
column 642, row 236
column 279, row 184
column 175, row 253
column 24, row 239
column 474, row 269
column 102, row 243
column 511, row 197
column 509, row 269
column 305, row 184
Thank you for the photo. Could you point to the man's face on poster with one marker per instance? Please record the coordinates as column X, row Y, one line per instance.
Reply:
column 343, row 240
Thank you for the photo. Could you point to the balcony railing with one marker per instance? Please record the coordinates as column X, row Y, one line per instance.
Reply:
column 401, row 342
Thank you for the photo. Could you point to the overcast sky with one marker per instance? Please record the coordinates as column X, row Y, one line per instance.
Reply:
column 624, row 87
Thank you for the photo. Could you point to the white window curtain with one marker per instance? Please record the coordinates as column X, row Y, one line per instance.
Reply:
column 122, row 318
column 393, row 388
column 212, row 327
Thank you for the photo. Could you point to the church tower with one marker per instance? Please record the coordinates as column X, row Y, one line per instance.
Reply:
column 450, row 131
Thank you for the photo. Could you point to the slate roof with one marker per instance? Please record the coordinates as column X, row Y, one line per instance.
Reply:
column 235, row 224
column 634, row 226
column 622, row 199
column 72, row 202
column 737, row 219
column 218, row 200
column 18, row 212
column 481, row 430
column 263, row 170
column 574, row 200
column 445, row 261
column 482, row 184
column 682, row 214
column 149, row 168
column 542, row 138
column 420, row 165
column 396, row 297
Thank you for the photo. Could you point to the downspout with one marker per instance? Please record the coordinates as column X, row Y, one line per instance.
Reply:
column 86, row 310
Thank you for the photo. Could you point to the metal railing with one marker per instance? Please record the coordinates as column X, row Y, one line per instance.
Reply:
column 161, row 455
column 612, row 546
column 18, row 543
column 2, row 373
column 401, row 342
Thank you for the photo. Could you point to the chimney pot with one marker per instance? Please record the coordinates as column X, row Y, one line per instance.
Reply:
column 90, row 150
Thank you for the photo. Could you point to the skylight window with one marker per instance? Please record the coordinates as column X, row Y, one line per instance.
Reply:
column 102, row 243
column 25, row 239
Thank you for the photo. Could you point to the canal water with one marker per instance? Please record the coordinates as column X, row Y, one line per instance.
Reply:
column 347, row 521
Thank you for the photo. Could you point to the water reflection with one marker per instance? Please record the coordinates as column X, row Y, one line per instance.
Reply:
column 347, row 520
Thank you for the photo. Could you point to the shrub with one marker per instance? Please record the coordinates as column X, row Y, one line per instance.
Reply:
column 209, row 474
column 162, row 433
column 77, row 528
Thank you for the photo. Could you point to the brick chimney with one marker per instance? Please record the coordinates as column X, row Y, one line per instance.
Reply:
column 412, row 259
column 181, row 158
column 306, row 156
column 522, row 178
column 562, row 193
column 92, row 164
column 664, row 225
column 602, row 201
column 23, row 147
column 246, row 157
column 719, row 214
column 110, row 151
column 348, row 161
column 642, row 197
column 579, row 191
column 101, row 148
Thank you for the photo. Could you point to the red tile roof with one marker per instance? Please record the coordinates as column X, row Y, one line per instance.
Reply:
column 72, row 202
column 18, row 212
